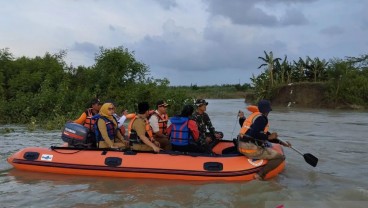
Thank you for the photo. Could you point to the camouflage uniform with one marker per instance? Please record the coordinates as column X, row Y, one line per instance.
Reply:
column 204, row 123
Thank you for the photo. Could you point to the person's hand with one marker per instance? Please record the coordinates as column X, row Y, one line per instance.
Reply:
column 272, row 136
column 218, row 136
column 156, row 149
column 241, row 114
column 208, row 140
column 125, row 112
column 286, row 144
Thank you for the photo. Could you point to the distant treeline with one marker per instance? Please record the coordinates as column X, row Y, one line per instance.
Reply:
column 46, row 91
column 346, row 79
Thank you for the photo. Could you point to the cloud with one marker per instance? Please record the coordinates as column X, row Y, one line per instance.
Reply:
column 84, row 47
column 258, row 12
column 112, row 28
column 219, row 49
column 167, row 4
column 204, row 42
column 332, row 31
column 241, row 12
column 293, row 17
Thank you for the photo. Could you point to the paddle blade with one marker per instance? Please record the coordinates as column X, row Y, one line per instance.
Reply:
column 310, row 159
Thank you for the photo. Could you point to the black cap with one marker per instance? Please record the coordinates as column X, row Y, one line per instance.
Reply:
column 161, row 103
column 143, row 107
column 200, row 102
column 96, row 101
column 264, row 106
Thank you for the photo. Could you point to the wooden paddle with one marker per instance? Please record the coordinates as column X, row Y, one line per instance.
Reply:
column 309, row 158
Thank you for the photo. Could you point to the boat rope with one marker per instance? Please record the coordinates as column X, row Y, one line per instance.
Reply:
column 236, row 121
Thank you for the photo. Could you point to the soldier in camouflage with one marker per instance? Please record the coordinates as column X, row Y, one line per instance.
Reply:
column 207, row 133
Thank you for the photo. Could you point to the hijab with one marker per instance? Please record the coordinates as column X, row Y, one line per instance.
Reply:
column 104, row 111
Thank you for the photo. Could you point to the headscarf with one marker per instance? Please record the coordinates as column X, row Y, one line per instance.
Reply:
column 104, row 111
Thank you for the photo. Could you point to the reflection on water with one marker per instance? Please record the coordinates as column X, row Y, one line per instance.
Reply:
column 337, row 138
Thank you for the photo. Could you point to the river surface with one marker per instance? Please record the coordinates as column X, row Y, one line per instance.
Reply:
column 337, row 138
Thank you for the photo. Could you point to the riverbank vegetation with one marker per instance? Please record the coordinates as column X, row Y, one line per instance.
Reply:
column 225, row 91
column 45, row 91
column 343, row 83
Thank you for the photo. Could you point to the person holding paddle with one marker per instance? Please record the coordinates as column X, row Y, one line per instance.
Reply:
column 254, row 136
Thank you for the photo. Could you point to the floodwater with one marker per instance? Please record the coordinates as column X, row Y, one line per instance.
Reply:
column 337, row 138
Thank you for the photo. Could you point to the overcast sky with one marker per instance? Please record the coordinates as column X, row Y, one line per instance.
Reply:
column 203, row 42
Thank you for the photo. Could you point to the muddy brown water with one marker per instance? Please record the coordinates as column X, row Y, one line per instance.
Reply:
column 337, row 138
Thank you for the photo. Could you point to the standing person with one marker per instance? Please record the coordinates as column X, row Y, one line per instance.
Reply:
column 140, row 131
column 158, row 122
column 254, row 136
column 207, row 133
column 184, row 132
column 86, row 117
column 106, row 129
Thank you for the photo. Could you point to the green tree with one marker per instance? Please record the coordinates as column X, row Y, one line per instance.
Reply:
column 347, row 84
column 316, row 69
column 270, row 63
column 5, row 63
column 283, row 71
column 298, row 70
column 115, row 69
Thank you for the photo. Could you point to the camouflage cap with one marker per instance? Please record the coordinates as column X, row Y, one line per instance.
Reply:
column 200, row 102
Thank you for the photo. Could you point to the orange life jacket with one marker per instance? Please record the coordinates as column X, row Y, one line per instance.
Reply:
column 162, row 122
column 252, row 108
column 246, row 125
column 250, row 120
column 149, row 133
column 122, row 128
column 130, row 115
column 89, row 122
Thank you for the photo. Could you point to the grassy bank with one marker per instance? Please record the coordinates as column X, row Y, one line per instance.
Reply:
column 215, row 91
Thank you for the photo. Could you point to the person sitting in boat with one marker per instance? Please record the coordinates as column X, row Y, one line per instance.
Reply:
column 122, row 118
column 86, row 120
column 124, row 115
column 158, row 121
column 107, row 135
column 254, row 136
column 86, row 117
column 184, row 132
column 207, row 133
column 140, row 132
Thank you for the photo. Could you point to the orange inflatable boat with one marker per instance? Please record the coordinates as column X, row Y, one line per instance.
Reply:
column 132, row 164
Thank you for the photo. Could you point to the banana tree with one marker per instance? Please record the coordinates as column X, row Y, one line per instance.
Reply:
column 283, row 71
column 270, row 63
column 317, row 68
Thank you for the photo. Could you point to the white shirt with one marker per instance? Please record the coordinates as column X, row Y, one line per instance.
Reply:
column 121, row 121
column 154, row 122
